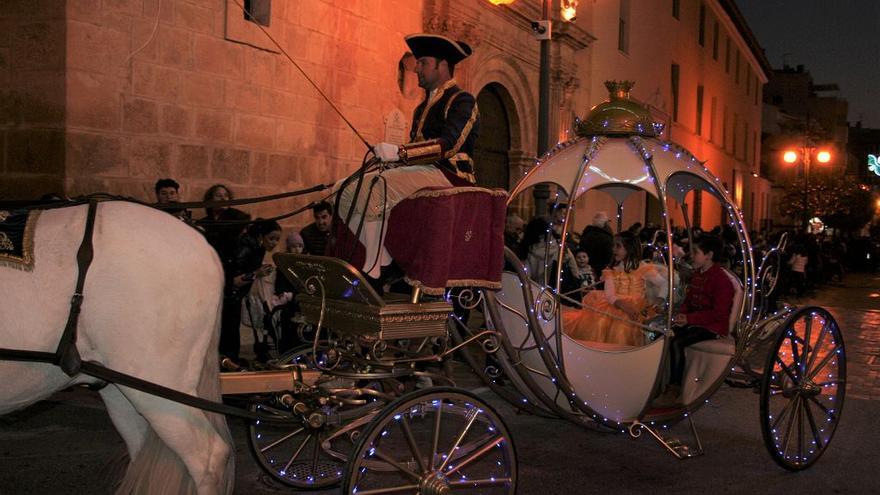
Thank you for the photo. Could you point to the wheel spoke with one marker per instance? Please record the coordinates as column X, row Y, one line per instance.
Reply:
column 282, row 440
column 806, row 348
column 819, row 341
column 814, row 371
column 830, row 382
column 791, row 420
column 800, row 431
column 316, row 451
column 795, row 354
column 411, row 441
column 296, row 454
column 475, row 455
column 480, row 483
column 436, row 438
column 396, row 465
column 813, row 428
column 471, row 417
column 787, row 371
column 782, row 414
column 828, row 412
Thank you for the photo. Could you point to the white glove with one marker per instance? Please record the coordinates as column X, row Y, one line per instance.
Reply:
column 387, row 152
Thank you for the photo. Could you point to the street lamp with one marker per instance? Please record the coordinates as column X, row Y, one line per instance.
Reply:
column 543, row 32
column 805, row 156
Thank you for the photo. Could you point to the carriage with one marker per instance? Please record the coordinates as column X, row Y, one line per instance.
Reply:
column 368, row 403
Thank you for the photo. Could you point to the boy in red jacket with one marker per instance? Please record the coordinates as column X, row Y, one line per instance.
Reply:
column 704, row 314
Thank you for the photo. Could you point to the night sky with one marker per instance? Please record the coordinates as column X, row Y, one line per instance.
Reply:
column 837, row 41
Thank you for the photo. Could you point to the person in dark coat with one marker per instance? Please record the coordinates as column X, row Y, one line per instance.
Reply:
column 247, row 265
column 316, row 235
column 598, row 241
column 223, row 225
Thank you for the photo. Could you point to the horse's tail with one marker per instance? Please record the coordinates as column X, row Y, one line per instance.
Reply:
column 157, row 469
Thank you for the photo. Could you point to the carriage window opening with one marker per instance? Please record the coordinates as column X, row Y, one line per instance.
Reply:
column 258, row 11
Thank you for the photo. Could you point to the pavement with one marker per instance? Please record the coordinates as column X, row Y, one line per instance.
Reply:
column 66, row 444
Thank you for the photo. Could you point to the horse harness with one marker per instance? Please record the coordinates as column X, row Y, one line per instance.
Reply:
column 67, row 357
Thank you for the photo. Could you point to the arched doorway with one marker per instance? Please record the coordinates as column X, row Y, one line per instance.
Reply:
column 492, row 149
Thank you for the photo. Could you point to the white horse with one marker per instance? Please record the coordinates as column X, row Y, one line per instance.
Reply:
column 151, row 310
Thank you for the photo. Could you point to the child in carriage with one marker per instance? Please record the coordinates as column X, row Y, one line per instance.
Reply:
column 704, row 314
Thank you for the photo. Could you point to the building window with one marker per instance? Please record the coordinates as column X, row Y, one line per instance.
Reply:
column 258, row 11
column 756, row 90
column 727, row 55
column 713, row 116
column 734, row 140
column 699, row 123
column 715, row 35
column 702, row 28
column 623, row 27
column 755, row 150
column 736, row 75
column 676, row 9
column 724, row 117
column 676, row 70
column 746, row 142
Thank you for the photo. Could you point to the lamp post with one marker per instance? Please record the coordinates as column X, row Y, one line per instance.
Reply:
column 805, row 155
column 543, row 30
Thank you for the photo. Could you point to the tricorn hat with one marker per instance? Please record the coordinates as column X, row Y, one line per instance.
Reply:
column 439, row 47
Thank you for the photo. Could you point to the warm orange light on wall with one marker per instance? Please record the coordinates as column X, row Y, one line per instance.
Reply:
column 500, row 2
column 790, row 156
column 569, row 10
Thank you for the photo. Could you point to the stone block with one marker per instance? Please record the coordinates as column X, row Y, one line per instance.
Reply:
column 200, row 90
column 96, row 48
column 83, row 10
column 230, row 165
column 193, row 17
column 140, row 116
column 167, row 13
column 149, row 159
column 283, row 169
column 294, row 136
column 193, row 161
column 155, row 81
column 214, row 126
column 218, row 56
column 259, row 168
column 321, row 17
column 252, row 131
column 259, row 67
column 133, row 7
column 92, row 101
column 279, row 103
column 241, row 96
column 38, row 45
column 95, row 154
column 175, row 47
column 35, row 151
column 33, row 97
column 176, row 120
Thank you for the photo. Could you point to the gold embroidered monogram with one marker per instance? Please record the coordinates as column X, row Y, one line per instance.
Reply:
column 5, row 242
column 4, row 215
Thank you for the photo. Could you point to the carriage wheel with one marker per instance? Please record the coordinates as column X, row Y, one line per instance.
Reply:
column 308, row 455
column 803, row 387
column 432, row 441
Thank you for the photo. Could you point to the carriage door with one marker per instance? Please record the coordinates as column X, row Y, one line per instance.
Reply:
column 491, row 151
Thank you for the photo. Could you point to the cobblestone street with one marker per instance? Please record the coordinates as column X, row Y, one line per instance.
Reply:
column 856, row 306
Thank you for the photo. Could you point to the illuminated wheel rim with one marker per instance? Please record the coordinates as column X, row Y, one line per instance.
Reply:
column 434, row 441
column 803, row 389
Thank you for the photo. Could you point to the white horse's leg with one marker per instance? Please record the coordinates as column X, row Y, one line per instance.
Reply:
column 132, row 427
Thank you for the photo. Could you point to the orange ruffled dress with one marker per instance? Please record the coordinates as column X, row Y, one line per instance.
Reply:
column 592, row 323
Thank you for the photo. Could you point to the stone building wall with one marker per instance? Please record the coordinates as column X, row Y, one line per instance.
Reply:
column 191, row 90
column 32, row 97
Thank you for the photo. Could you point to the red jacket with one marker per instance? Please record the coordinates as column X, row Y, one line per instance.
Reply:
column 709, row 300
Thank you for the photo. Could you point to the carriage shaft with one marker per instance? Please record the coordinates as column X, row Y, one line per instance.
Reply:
column 255, row 382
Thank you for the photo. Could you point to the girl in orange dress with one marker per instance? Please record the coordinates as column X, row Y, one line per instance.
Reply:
column 611, row 316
